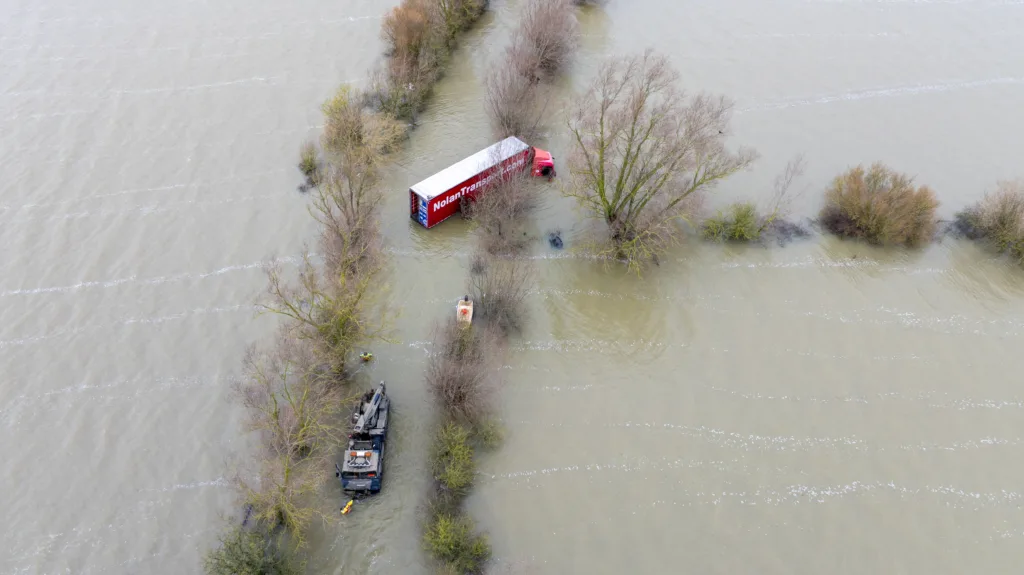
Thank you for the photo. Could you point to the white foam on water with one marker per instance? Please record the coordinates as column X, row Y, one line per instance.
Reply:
column 764, row 443
column 955, row 324
column 828, row 35
column 147, row 281
column 893, row 92
column 164, row 188
column 591, row 345
column 145, row 320
column 946, row 495
column 822, row 263
column 42, row 116
column 151, row 210
column 931, row 399
column 219, row 482
column 978, row 3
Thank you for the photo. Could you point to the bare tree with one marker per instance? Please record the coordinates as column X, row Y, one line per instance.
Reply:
column 347, row 206
column 333, row 313
column 501, row 211
column 499, row 286
column 460, row 373
column 642, row 149
column 294, row 411
column 513, row 101
column 348, row 196
column 547, row 35
column 781, row 198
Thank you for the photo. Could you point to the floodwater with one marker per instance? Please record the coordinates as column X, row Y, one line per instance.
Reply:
column 825, row 407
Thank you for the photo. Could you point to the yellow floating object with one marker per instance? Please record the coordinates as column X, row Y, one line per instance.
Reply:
column 347, row 507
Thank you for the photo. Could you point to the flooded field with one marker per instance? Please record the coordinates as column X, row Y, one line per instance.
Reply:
column 826, row 407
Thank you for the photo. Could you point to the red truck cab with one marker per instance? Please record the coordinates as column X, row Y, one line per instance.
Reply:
column 543, row 164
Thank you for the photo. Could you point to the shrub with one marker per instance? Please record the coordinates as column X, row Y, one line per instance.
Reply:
column 998, row 219
column 406, row 28
column 248, row 552
column 881, row 206
column 450, row 539
column 354, row 135
column 457, row 16
column 460, row 374
column 309, row 163
column 452, row 458
column 489, row 433
column 740, row 222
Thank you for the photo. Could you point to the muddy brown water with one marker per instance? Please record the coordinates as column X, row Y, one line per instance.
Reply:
column 822, row 408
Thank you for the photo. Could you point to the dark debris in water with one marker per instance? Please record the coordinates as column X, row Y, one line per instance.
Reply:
column 785, row 231
column 555, row 239
column 964, row 226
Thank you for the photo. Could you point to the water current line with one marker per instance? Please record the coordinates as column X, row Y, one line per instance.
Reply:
column 883, row 93
column 754, row 442
column 152, row 210
column 158, row 280
column 163, row 188
column 145, row 320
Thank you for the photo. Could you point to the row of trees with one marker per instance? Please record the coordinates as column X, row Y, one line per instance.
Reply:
column 295, row 388
column 420, row 36
column 518, row 88
column 462, row 372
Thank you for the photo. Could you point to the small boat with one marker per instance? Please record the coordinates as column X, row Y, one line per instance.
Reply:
column 464, row 310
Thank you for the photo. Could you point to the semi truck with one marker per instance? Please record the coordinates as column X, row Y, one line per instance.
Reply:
column 440, row 196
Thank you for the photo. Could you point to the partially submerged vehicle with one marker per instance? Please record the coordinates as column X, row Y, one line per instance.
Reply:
column 442, row 195
column 362, row 466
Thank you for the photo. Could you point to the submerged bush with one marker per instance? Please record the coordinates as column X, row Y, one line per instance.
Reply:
column 309, row 163
column 739, row 222
column 248, row 552
column 452, row 458
column 881, row 206
column 997, row 219
column 499, row 289
column 549, row 32
column 460, row 375
column 450, row 538
column 489, row 433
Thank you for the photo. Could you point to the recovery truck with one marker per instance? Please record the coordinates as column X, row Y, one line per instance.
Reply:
column 362, row 466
